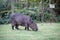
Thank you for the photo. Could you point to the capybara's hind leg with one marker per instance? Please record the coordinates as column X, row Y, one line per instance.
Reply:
column 16, row 26
column 12, row 27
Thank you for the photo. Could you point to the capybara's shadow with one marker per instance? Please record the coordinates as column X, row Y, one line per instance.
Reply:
column 23, row 30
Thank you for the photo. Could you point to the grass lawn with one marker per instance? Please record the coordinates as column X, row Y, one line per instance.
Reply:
column 46, row 31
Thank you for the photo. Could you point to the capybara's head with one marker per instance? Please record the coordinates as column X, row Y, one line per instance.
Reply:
column 34, row 26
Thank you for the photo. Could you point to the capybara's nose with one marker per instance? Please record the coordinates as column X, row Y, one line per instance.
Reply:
column 35, row 30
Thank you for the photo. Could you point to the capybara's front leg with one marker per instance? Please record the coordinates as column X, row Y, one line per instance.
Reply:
column 26, row 27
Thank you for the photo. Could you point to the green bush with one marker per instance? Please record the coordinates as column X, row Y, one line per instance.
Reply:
column 46, row 16
column 5, row 18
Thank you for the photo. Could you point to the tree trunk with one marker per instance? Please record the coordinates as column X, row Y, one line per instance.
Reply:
column 42, row 10
column 12, row 6
column 27, row 4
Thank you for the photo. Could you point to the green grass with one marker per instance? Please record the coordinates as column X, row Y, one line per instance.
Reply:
column 47, row 31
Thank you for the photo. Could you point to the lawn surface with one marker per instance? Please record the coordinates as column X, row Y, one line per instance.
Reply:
column 46, row 31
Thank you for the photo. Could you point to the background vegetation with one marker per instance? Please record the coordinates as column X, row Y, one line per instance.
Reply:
column 38, row 9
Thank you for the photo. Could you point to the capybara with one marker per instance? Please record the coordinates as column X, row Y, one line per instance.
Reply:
column 17, row 19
